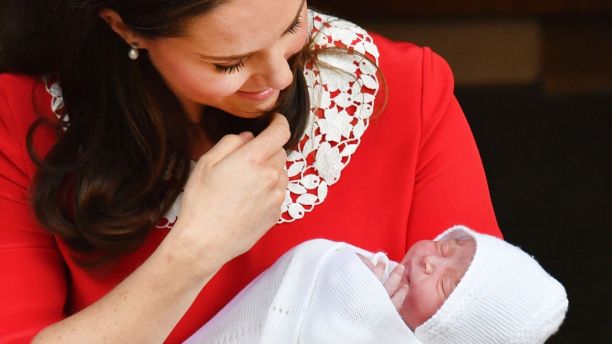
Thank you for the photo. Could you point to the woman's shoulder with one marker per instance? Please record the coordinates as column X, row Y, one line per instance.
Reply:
column 406, row 59
column 404, row 48
column 19, row 95
column 24, row 98
column 14, row 86
column 15, row 100
column 396, row 59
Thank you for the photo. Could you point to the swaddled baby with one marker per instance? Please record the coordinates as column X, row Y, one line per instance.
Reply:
column 462, row 287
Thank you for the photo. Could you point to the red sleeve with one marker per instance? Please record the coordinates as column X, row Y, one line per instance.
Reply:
column 32, row 276
column 450, row 185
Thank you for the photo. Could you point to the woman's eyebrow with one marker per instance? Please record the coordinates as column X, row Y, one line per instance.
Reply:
column 241, row 56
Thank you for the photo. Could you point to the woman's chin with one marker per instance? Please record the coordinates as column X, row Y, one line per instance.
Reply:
column 254, row 112
column 247, row 108
column 247, row 114
column 251, row 108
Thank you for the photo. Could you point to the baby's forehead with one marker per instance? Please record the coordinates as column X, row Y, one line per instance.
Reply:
column 462, row 253
column 457, row 235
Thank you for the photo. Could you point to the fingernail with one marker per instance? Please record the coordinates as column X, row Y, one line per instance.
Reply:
column 246, row 135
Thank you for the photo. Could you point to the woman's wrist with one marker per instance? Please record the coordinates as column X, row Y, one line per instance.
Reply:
column 199, row 255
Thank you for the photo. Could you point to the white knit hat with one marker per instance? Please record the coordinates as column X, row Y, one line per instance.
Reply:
column 504, row 297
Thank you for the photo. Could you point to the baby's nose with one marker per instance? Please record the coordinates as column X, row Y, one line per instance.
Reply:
column 430, row 262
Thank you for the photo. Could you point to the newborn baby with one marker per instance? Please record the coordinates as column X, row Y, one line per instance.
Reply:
column 463, row 287
column 426, row 276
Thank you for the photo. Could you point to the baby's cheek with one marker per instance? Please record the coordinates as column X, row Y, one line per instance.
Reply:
column 419, row 306
column 404, row 311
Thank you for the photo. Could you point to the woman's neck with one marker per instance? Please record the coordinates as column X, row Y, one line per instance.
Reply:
column 199, row 143
column 192, row 110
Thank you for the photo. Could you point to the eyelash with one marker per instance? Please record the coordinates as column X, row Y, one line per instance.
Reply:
column 294, row 28
column 229, row 69
column 237, row 67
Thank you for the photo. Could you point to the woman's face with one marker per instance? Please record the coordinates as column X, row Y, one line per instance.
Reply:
column 234, row 57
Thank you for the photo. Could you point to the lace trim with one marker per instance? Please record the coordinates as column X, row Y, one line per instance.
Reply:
column 343, row 89
column 57, row 101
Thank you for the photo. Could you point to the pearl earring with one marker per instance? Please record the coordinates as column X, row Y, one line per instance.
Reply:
column 133, row 53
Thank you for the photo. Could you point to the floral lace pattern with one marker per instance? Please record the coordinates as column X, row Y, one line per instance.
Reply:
column 57, row 101
column 343, row 87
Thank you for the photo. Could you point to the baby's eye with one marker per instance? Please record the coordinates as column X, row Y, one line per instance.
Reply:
column 444, row 249
column 448, row 285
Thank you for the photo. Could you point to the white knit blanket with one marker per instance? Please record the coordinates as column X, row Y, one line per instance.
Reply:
column 319, row 292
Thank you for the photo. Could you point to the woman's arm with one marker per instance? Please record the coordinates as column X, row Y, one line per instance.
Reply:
column 144, row 308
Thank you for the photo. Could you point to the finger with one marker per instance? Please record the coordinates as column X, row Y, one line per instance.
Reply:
column 379, row 270
column 367, row 262
column 283, row 181
column 227, row 145
column 398, row 298
column 278, row 160
column 270, row 140
column 392, row 283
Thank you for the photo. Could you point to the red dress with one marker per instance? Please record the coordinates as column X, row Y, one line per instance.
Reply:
column 415, row 172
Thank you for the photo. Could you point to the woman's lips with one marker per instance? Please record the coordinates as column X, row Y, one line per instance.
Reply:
column 261, row 95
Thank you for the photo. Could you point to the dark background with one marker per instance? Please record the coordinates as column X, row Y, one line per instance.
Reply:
column 541, row 112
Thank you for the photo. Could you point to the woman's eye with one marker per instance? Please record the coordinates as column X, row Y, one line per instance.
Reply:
column 294, row 28
column 221, row 69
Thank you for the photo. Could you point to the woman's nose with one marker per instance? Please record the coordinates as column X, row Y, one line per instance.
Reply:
column 275, row 72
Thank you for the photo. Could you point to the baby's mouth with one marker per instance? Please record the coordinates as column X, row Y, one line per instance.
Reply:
column 407, row 272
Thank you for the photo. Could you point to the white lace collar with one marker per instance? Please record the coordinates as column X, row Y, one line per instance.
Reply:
column 342, row 89
column 342, row 92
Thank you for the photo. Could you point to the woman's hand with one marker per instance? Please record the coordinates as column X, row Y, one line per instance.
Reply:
column 233, row 195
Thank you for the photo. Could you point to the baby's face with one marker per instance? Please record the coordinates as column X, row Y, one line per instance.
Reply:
column 432, row 271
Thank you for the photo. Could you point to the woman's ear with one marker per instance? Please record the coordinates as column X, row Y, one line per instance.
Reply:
column 114, row 21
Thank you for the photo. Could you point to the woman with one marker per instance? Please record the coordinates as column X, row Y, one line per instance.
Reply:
column 105, row 105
